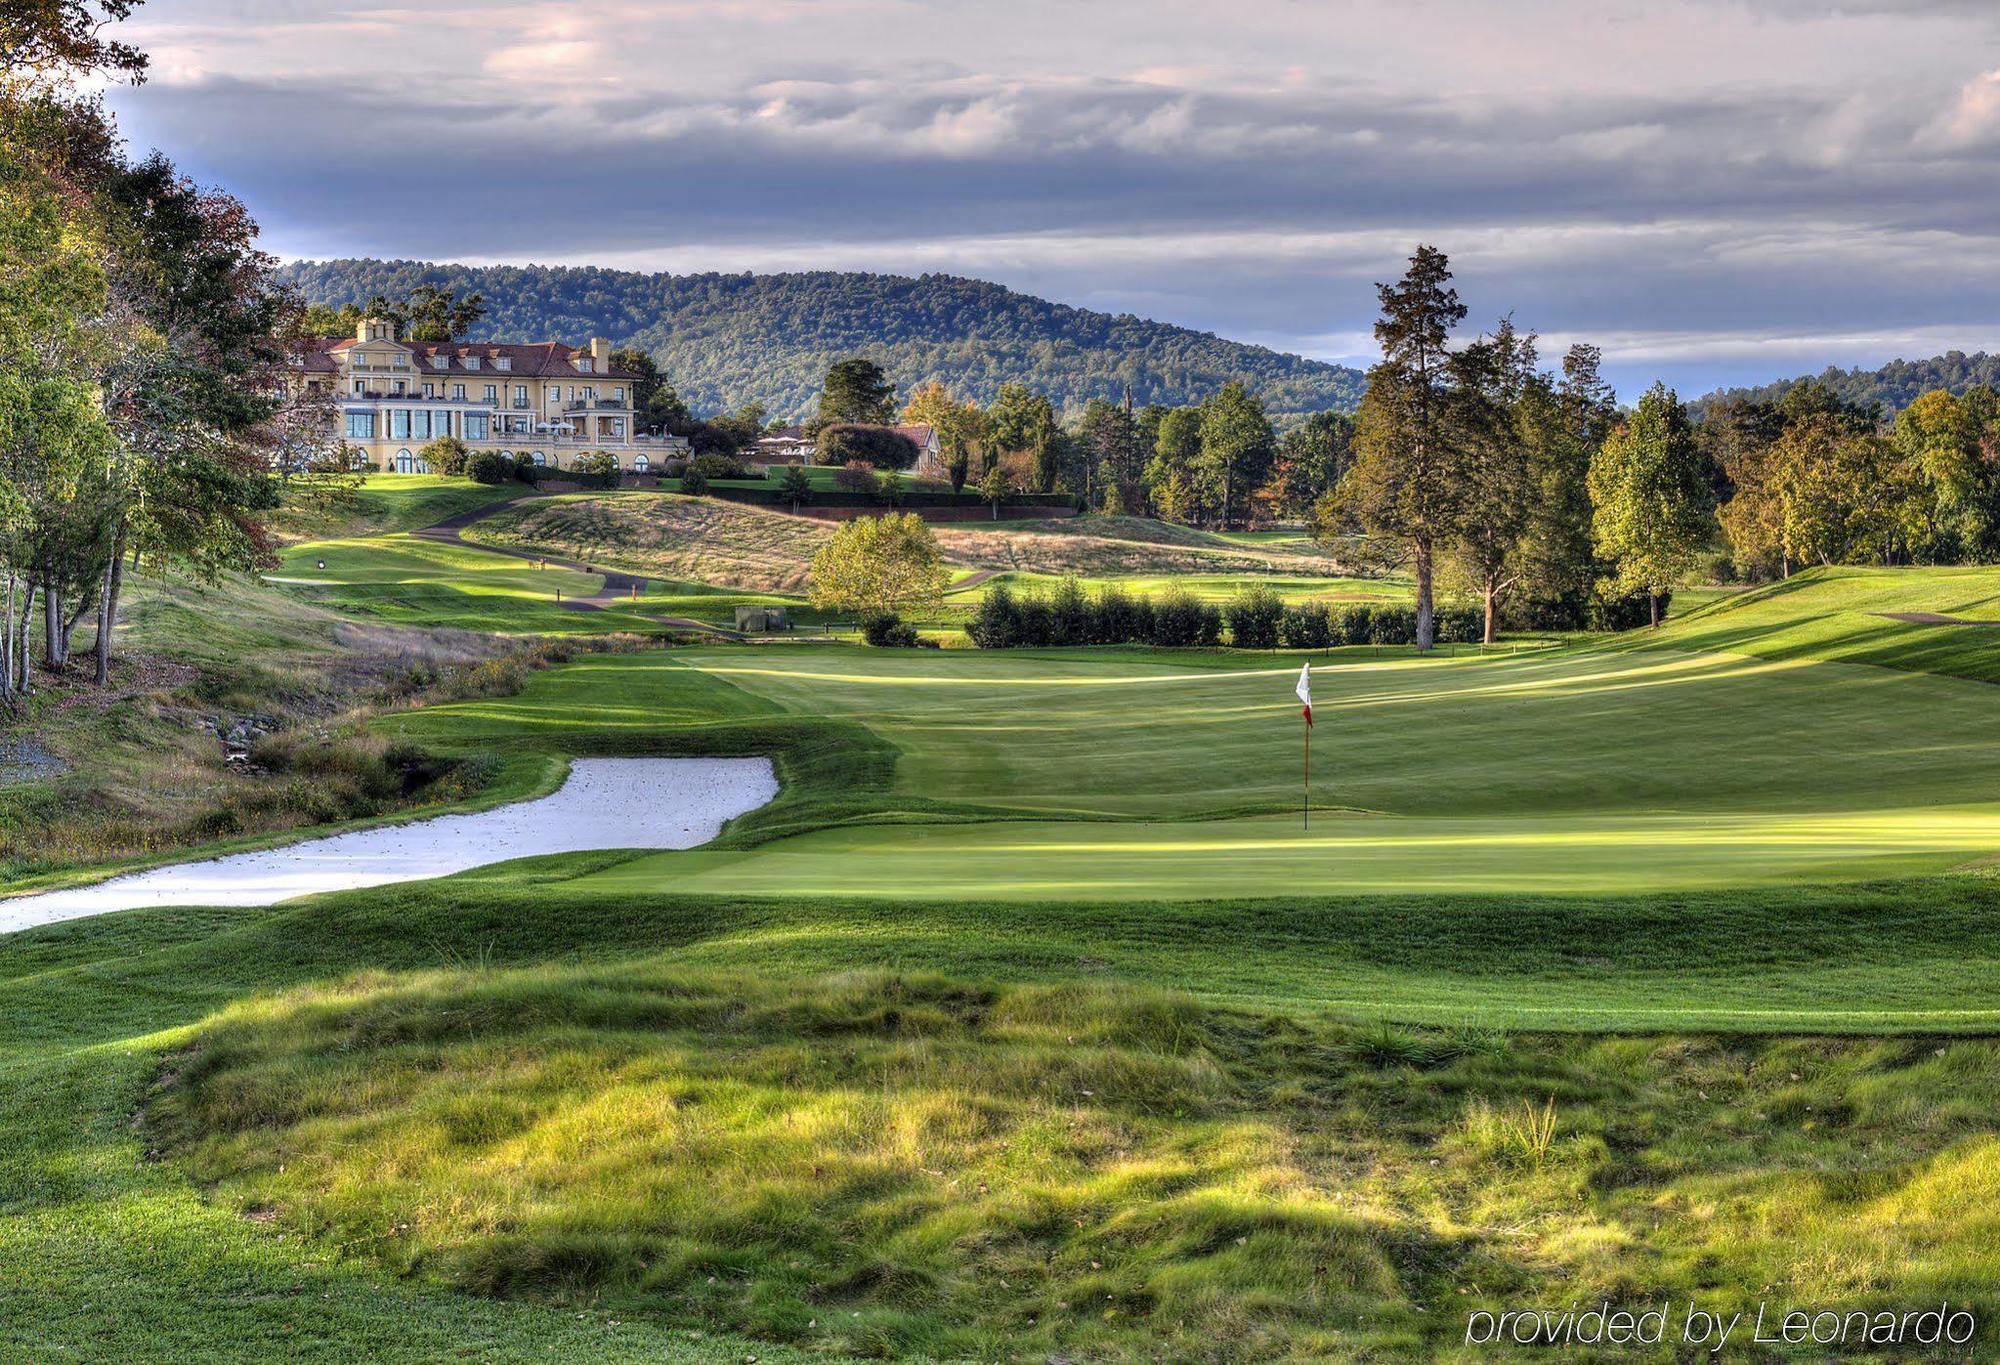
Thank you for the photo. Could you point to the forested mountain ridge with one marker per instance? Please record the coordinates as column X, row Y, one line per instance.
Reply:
column 1893, row 387
column 727, row 340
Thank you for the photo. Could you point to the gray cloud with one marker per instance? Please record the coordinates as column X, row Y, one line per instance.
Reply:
column 1730, row 190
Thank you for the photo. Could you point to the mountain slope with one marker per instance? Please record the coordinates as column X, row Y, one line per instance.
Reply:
column 1894, row 386
column 726, row 340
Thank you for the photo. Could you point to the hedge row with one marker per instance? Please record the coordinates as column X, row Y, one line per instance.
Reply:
column 771, row 495
column 1257, row 619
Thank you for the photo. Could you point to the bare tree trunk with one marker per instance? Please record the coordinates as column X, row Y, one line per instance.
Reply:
column 21, row 639
column 7, row 645
column 1426, row 610
column 1653, row 607
column 52, row 623
column 1492, row 611
column 107, row 608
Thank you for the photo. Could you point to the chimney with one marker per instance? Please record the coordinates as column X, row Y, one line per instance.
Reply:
column 600, row 354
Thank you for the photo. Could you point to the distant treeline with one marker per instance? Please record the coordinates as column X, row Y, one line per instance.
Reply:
column 727, row 341
column 1890, row 389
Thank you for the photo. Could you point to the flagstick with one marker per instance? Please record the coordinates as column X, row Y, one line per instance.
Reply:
column 1309, row 775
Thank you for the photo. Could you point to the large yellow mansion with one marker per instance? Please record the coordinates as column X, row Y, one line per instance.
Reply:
column 545, row 403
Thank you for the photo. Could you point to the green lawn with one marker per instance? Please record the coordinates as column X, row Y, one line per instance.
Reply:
column 409, row 581
column 387, row 503
column 1841, row 614
column 1029, row 1021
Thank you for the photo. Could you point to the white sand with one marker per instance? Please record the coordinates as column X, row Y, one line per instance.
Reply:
column 606, row 803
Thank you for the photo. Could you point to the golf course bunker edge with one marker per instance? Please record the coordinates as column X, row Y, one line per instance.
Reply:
column 605, row 803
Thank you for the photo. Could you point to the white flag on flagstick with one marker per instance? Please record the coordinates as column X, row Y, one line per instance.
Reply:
column 1305, row 690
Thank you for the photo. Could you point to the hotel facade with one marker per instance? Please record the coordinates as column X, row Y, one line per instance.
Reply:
column 544, row 403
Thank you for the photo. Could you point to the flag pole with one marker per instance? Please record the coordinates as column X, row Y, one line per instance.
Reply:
column 1309, row 775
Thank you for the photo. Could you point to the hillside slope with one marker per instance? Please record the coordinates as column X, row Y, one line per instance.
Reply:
column 1918, row 620
column 726, row 340
column 1894, row 386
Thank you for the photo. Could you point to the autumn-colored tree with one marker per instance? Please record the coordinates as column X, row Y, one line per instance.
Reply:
column 996, row 485
column 960, row 427
column 879, row 566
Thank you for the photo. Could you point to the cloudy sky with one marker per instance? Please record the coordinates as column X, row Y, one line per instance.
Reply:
column 1712, row 190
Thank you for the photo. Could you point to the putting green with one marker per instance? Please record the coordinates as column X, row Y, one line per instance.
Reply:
column 1120, row 775
column 1343, row 853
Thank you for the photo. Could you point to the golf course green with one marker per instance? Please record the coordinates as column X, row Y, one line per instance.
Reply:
column 1032, row 1019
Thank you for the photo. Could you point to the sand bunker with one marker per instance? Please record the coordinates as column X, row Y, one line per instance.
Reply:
column 606, row 803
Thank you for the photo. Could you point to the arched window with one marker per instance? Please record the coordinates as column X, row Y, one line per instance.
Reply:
column 538, row 458
column 608, row 455
column 640, row 464
column 406, row 463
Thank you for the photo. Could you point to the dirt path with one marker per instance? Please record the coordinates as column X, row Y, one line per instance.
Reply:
column 618, row 588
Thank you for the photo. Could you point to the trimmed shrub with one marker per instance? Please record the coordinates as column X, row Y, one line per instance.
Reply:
column 1118, row 619
column 858, row 477
column 847, row 442
column 887, row 629
column 1458, row 626
column 1179, row 621
column 997, row 623
column 1035, row 623
column 1392, row 625
column 1350, row 625
column 490, row 466
column 694, row 481
column 718, row 466
column 1307, row 626
column 1070, row 617
column 1254, row 618
column 446, row 455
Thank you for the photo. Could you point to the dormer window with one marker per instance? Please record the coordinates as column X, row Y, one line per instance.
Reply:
column 442, row 362
column 472, row 362
column 503, row 362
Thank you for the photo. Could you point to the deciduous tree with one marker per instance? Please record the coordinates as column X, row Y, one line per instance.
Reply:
column 876, row 566
column 1654, row 505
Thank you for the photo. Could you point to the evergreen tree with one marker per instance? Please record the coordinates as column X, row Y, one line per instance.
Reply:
column 1408, row 479
column 856, row 390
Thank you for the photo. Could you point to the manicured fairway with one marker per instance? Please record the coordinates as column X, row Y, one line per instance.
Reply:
column 1343, row 854
column 1855, row 615
column 410, row 581
column 1121, row 775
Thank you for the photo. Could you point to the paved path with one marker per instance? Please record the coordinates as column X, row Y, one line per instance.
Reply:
column 618, row 585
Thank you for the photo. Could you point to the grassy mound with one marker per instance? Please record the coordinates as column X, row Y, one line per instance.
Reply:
column 385, row 504
column 1851, row 615
column 665, row 535
column 763, row 550
column 888, row 1165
